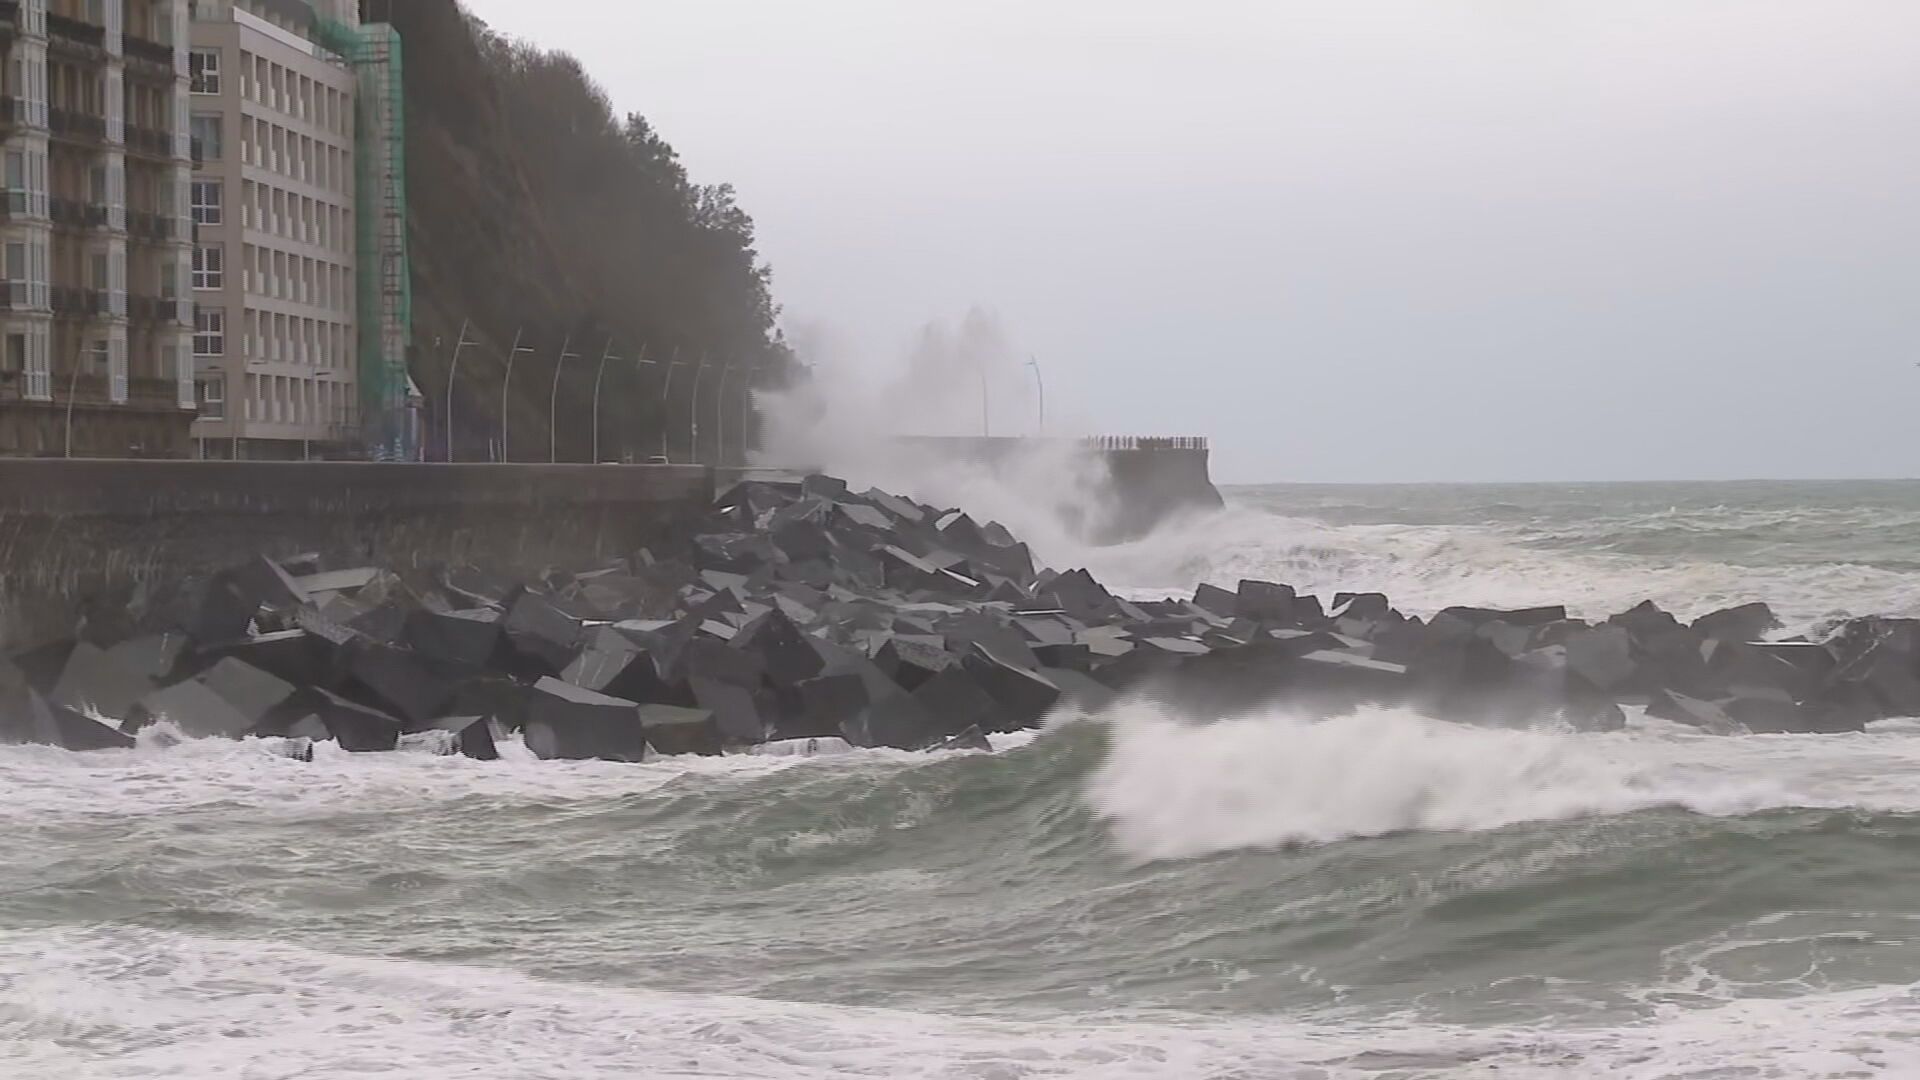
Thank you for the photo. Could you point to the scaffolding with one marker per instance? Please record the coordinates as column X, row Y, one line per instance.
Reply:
column 385, row 282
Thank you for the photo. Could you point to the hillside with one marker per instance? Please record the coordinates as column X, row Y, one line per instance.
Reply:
column 536, row 210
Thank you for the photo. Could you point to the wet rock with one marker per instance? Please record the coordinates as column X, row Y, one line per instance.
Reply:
column 1748, row 622
column 566, row 722
column 357, row 728
column 1603, row 656
column 470, row 736
column 543, row 636
column 970, row 739
column 53, row 724
column 673, row 730
column 95, row 681
column 467, row 639
column 398, row 681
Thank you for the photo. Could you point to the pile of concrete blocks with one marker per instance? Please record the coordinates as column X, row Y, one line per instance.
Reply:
column 808, row 614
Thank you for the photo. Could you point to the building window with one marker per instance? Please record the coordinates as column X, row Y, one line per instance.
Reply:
column 209, row 331
column 203, row 71
column 209, row 266
column 17, row 181
column 98, row 357
column 207, row 132
column 16, row 355
column 211, row 395
column 208, row 202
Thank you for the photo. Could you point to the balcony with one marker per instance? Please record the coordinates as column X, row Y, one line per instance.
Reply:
column 76, row 126
column 9, row 19
column 149, row 142
column 157, row 228
column 150, row 309
column 13, row 113
column 79, row 303
column 76, row 35
column 152, row 54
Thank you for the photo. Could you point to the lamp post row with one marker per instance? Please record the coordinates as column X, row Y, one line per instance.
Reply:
column 668, row 365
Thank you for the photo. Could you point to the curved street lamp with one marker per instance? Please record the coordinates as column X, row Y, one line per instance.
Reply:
column 553, row 401
column 505, row 384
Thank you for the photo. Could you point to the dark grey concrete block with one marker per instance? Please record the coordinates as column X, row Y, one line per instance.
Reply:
column 56, row 725
column 673, row 730
column 456, row 640
column 1748, row 622
column 567, row 722
column 546, row 637
column 956, row 701
column 784, row 652
column 473, row 735
column 912, row 660
column 735, row 708
column 95, row 681
column 827, row 704
column 1024, row 695
column 1603, row 656
column 357, row 728
column 1535, row 616
column 192, row 707
column 398, row 681
column 253, row 692
column 156, row 656
column 899, row 721
column 1264, row 601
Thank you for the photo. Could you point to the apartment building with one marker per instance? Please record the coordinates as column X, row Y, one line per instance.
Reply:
column 274, row 255
column 95, row 312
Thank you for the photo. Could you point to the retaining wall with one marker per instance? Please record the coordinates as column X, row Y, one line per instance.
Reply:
column 114, row 540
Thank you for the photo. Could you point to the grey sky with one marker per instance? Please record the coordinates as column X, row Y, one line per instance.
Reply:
column 1349, row 239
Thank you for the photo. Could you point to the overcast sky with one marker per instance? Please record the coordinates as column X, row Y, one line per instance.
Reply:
column 1348, row 239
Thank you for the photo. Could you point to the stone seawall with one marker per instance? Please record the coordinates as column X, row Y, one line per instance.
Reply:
column 113, row 540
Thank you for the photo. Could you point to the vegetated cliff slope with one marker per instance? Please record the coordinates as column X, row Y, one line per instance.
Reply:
column 537, row 212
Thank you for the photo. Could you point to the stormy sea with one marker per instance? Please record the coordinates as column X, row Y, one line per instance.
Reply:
column 1121, row 895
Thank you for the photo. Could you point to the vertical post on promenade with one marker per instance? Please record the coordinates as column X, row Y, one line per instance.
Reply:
column 507, row 384
column 666, row 387
column 720, row 416
column 693, row 410
column 604, row 357
column 553, row 401
column 452, row 370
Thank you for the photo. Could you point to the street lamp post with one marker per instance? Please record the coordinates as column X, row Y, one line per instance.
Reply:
column 553, row 400
column 746, row 406
column 693, row 410
column 452, row 370
column 1034, row 363
column 73, row 390
column 601, row 374
column 666, row 387
column 720, row 416
column 505, row 384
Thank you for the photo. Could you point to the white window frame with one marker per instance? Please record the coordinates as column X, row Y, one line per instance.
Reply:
column 210, row 331
column 203, row 72
column 210, row 396
column 209, row 210
column 209, row 267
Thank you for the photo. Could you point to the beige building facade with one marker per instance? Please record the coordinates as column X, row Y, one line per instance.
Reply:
column 95, row 308
column 273, row 262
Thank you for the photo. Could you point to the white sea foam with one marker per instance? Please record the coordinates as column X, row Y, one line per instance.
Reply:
column 1169, row 790
column 79, row 1004
column 1424, row 568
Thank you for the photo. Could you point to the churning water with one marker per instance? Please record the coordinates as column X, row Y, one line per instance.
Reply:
column 1122, row 896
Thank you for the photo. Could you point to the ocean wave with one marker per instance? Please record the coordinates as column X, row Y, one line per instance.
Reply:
column 106, row 1002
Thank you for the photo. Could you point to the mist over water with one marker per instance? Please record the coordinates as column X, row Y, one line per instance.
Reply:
column 1379, row 895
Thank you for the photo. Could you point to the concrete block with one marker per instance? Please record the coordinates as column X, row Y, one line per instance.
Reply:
column 784, row 652
column 735, row 708
column 544, row 636
column 673, row 730
column 1264, row 601
column 192, row 707
column 1603, row 656
column 1747, row 622
column 1024, row 695
column 979, row 628
column 455, row 640
column 899, row 721
column 472, row 735
column 1369, row 606
column 1079, row 689
column 1534, row 616
column 397, row 681
column 956, row 701
column 615, row 665
column 865, row 517
column 566, row 722
column 155, row 656
column 54, row 724
column 95, row 681
column 357, row 728
column 707, row 658
column 827, row 703
column 336, row 581
column 253, row 692
column 1217, row 600
column 1679, row 708
column 912, row 660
